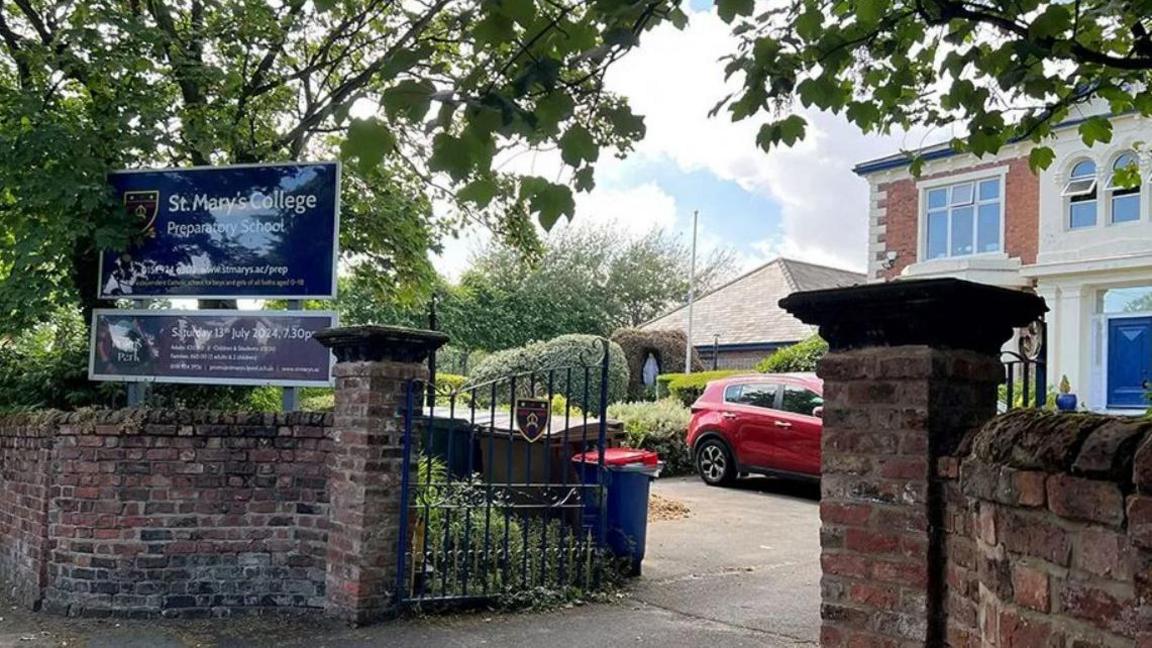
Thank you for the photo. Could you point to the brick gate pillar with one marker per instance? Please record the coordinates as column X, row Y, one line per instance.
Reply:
column 912, row 366
column 374, row 365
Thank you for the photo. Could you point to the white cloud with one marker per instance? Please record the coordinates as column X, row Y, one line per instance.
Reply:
column 634, row 211
column 675, row 78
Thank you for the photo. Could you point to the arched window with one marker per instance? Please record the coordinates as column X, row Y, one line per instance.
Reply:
column 1125, row 201
column 1081, row 194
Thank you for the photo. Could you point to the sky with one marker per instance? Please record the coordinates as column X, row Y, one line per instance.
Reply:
column 803, row 203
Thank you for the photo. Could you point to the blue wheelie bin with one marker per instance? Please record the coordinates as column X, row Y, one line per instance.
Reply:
column 628, row 475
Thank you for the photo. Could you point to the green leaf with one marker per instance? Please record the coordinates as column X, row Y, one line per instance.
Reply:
column 495, row 29
column 584, row 180
column 450, row 156
column 479, row 191
column 625, row 122
column 554, row 108
column 577, row 146
column 368, row 141
column 522, row 11
column 325, row 5
column 729, row 9
column 868, row 12
column 1054, row 21
column 551, row 202
column 1096, row 129
column 916, row 166
column 792, row 129
column 810, row 24
column 409, row 99
column 1040, row 158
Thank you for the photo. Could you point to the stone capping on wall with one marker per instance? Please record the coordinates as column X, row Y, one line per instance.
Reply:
column 47, row 422
column 1084, row 445
column 1049, row 532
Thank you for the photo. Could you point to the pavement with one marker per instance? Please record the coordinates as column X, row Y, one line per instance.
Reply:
column 741, row 570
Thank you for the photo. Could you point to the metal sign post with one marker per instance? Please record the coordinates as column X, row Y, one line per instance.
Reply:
column 289, row 397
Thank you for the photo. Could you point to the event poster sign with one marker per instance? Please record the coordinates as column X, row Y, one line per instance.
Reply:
column 255, row 231
column 223, row 347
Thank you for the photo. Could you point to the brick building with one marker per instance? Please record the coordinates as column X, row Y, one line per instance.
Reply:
column 740, row 322
column 1069, row 234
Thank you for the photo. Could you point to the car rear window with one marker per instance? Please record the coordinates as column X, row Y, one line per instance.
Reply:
column 754, row 394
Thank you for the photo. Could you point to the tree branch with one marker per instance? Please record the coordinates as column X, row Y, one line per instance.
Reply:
column 345, row 90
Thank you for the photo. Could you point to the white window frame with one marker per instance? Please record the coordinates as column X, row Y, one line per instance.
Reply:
column 999, row 174
column 1093, row 186
column 1111, row 190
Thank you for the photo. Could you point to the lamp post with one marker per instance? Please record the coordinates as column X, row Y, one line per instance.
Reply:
column 691, row 294
column 715, row 351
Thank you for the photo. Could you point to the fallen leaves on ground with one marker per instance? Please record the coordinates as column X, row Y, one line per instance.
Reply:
column 664, row 508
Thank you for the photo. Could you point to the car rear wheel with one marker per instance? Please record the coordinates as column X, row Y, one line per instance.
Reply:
column 714, row 463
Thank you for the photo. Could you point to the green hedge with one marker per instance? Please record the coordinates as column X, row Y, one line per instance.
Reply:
column 661, row 426
column 558, row 353
column 686, row 388
column 801, row 356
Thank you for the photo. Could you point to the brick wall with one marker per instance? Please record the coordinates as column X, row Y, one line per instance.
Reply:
column 183, row 513
column 1049, row 533
column 25, row 459
column 1035, row 531
column 898, row 215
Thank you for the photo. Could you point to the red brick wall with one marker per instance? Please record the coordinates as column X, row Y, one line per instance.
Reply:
column 1021, row 208
column 185, row 513
column 25, row 458
column 1049, row 534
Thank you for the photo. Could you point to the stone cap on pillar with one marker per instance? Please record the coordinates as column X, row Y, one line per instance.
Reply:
column 942, row 313
column 379, row 343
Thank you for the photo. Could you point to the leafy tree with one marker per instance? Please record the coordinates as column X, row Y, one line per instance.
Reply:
column 1003, row 70
column 802, row 356
column 419, row 98
column 587, row 280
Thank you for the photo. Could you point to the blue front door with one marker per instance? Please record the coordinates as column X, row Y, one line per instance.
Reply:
column 1129, row 361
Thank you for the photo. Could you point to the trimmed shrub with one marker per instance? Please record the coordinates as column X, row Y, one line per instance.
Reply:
column 686, row 388
column 448, row 382
column 668, row 348
column 576, row 351
column 661, row 426
column 801, row 356
column 317, row 399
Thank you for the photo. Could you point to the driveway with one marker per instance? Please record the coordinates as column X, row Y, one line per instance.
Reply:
column 741, row 570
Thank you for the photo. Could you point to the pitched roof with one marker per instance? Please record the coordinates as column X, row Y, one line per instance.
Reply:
column 745, row 310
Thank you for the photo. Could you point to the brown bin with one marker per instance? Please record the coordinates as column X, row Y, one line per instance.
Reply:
column 509, row 458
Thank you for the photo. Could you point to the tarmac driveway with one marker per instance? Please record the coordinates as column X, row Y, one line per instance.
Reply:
column 741, row 570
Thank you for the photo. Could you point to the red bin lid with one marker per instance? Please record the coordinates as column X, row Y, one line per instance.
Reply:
column 619, row 457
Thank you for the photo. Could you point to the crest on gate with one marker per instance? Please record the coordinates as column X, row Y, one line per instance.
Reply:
column 532, row 417
column 144, row 205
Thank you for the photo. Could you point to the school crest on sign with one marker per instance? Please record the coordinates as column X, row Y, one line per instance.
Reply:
column 144, row 205
column 532, row 417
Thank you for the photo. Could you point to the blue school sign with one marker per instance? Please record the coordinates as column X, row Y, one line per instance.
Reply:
column 262, row 231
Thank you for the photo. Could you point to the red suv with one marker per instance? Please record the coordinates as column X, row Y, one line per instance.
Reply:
column 762, row 423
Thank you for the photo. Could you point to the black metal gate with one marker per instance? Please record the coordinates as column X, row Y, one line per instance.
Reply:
column 493, row 505
column 1026, row 370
